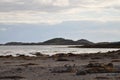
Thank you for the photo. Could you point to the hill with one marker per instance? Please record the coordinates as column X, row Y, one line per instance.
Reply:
column 84, row 42
column 55, row 41
column 59, row 41
column 101, row 45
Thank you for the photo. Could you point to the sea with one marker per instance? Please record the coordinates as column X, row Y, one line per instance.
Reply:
column 48, row 49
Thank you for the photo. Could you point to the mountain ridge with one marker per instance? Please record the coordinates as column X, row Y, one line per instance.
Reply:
column 55, row 41
column 62, row 41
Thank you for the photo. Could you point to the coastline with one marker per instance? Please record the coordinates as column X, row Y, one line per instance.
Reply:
column 49, row 50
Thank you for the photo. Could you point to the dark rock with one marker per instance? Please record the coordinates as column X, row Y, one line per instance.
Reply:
column 81, row 72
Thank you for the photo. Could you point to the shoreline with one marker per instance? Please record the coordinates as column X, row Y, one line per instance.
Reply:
column 49, row 50
column 37, row 54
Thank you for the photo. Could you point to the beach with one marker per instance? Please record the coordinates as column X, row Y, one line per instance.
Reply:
column 59, row 39
column 61, row 67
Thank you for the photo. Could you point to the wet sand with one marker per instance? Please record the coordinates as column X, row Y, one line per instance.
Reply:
column 58, row 67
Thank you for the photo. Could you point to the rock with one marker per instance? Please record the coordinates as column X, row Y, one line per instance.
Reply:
column 81, row 72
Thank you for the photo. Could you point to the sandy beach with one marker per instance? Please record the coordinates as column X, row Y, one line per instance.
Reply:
column 61, row 67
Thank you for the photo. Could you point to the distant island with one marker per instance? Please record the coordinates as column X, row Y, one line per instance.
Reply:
column 100, row 45
column 61, row 41
column 54, row 41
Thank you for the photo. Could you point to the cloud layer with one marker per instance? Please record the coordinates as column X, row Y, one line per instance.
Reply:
column 57, row 11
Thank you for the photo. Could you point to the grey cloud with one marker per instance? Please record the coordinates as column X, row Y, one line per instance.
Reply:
column 117, row 7
column 29, row 5
column 16, row 5
column 29, row 11
column 48, row 5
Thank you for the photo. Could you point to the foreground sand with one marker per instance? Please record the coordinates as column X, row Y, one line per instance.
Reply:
column 52, row 68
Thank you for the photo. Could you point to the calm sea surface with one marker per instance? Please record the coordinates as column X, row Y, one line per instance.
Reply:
column 48, row 49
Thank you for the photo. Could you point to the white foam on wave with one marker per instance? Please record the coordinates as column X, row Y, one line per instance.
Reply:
column 48, row 49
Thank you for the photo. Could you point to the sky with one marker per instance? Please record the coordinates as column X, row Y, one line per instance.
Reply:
column 40, row 20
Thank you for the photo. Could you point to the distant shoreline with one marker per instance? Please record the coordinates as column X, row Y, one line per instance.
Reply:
column 61, row 41
column 74, row 46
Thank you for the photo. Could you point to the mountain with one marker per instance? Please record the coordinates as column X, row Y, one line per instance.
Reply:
column 62, row 41
column 55, row 41
column 102, row 45
column 84, row 42
column 59, row 41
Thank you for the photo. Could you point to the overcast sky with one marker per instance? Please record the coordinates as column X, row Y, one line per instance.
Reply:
column 39, row 20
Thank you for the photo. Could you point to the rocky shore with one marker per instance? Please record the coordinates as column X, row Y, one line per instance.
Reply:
column 92, row 66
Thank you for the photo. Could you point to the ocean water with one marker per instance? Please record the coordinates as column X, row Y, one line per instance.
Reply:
column 48, row 49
